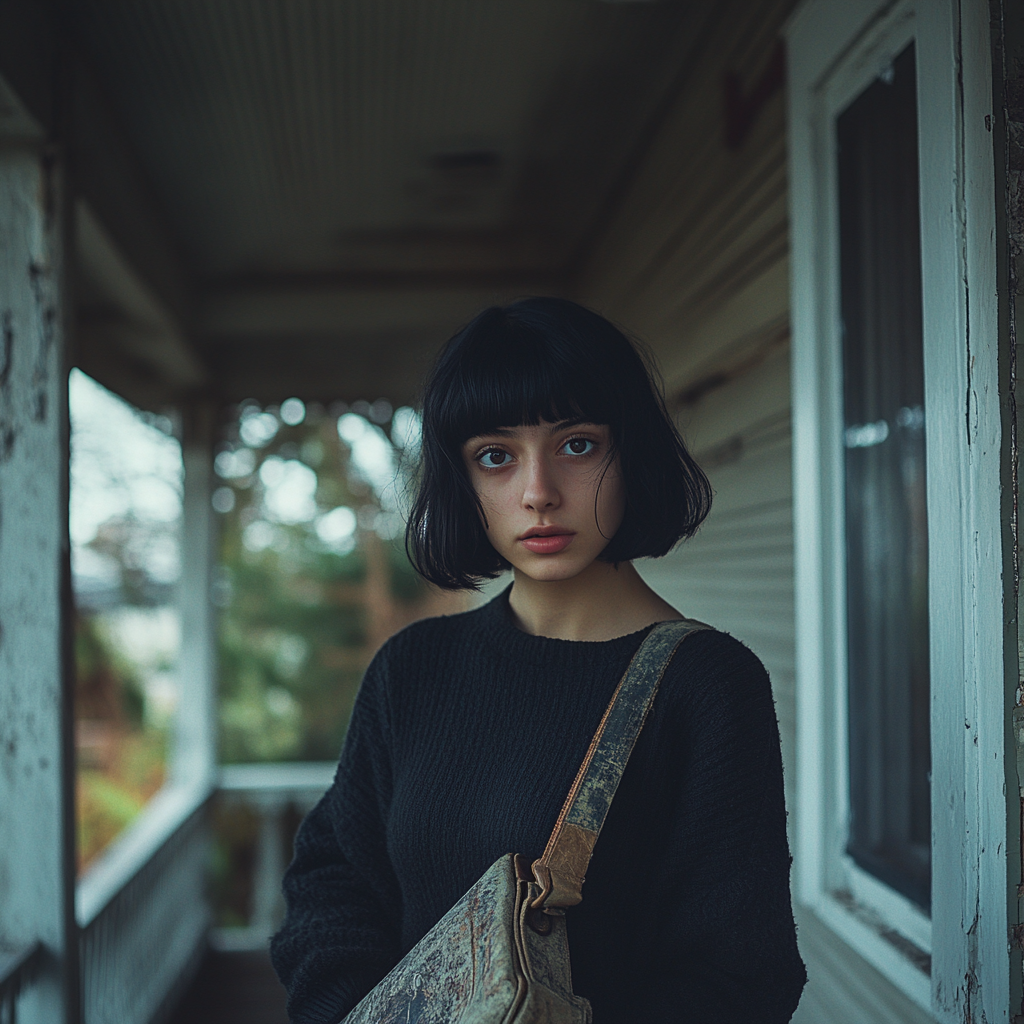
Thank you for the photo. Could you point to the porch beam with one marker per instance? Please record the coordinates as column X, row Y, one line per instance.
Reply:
column 129, row 355
column 110, row 178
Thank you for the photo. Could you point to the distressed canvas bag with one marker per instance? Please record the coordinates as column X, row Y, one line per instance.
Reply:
column 501, row 955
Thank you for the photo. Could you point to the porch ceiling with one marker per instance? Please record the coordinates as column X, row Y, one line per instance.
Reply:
column 347, row 182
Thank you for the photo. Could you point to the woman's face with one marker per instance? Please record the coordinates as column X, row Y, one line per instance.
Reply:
column 539, row 487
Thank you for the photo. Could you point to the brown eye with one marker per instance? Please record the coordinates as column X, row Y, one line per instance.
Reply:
column 579, row 446
column 493, row 458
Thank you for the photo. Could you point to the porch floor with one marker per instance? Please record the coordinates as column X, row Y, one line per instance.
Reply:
column 233, row 988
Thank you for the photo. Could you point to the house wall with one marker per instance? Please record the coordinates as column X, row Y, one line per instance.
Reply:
column 694, row 262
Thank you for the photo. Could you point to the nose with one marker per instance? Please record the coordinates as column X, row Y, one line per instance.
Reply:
column 540, row 492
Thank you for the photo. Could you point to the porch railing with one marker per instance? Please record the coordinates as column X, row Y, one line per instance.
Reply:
column 16, row 969
column 269, row 790
column 143, row 913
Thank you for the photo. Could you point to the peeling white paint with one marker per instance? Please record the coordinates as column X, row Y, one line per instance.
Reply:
column 36, row 858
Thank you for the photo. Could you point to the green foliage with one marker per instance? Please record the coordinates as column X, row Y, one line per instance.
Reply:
column 120, row 759
column 113, row 792
column 107, row 683
column 294, row 636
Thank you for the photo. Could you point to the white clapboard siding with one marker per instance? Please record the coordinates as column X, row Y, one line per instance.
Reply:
column 737, row 572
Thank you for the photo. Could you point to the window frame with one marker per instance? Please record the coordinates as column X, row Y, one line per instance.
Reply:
column 880, row 49
column 836, row 48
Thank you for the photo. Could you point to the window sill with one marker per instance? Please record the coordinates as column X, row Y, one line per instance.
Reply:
column 894, row 911
column 897, row 958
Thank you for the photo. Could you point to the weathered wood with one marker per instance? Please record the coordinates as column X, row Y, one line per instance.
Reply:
column 1007, row 20
column 836, row 51
column 36, row 759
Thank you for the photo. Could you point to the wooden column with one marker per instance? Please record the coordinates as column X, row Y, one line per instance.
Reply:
column 1007, row 124
column 37, row 868
column 194, row 757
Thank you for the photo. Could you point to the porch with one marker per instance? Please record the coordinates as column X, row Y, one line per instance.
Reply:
column 256, row 223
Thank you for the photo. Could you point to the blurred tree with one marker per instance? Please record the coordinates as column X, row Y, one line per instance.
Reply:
column 120, row 757
column 313, row 575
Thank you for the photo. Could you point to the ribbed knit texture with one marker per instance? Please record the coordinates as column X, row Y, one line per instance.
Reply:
column 465, row 738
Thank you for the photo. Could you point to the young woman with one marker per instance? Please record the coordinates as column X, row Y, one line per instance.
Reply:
column 547, row 449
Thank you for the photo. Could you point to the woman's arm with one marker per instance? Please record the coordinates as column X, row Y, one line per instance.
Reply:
column 341, row 932
column 686, row 914
column 728, row 925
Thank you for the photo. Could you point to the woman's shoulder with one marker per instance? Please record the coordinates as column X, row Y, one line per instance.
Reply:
column 716, row 643
column 712, row 666
column 715, row 701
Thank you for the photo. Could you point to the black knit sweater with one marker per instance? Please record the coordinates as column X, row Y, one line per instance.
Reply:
column 465, row 738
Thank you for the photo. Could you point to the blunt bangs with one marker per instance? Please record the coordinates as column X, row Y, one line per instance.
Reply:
column 552, row 360
column 509, row 372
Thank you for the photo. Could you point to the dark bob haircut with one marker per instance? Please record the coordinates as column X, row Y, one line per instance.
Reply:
column 546, row 359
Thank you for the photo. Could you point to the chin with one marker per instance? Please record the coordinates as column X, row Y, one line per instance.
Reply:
column 551, row 572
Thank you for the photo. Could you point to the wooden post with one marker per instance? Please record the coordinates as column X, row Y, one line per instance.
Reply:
column 194, row 756
column 37, row 863
column 1007, row 128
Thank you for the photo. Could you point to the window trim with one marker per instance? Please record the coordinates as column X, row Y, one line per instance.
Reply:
column 836, row 47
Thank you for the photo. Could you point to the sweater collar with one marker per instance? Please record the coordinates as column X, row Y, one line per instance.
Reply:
column 498, row 620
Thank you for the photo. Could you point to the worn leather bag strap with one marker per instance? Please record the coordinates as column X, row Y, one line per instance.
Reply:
column 561, row 869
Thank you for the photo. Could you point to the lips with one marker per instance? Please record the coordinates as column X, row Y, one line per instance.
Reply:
column 547, row 540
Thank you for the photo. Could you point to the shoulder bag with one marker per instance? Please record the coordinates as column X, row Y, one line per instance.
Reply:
column 501, row 955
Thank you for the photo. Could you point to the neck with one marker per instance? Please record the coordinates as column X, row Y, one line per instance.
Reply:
column 601, row 603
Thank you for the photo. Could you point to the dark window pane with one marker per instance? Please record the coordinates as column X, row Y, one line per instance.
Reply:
column 886, row 521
